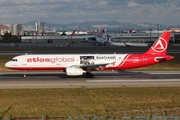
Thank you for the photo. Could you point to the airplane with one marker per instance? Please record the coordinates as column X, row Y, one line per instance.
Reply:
column 70, row 34
column 96, row 40
column 112, row 42
column 84, row 64
column 73, row 33
column 126, row 44
column 136, row 44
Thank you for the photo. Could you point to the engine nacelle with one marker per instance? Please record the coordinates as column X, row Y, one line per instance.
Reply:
column 74, row 71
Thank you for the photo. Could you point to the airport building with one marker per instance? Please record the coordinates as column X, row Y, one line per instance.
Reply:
column 51, row 39
column 119, row 37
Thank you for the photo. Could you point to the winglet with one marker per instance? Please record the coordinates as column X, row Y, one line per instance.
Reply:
column 161, row 44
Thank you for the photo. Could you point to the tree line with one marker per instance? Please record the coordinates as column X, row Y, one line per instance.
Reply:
column 9, row 38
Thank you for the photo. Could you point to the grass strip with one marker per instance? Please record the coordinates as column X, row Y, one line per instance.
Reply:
column 91, row 101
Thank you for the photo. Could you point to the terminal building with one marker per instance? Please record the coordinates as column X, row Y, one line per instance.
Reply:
column 52, row 39
column 119, row 37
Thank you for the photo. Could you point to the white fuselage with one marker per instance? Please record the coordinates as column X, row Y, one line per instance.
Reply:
column 117, row 43
column 60, row 62
column 136, row 44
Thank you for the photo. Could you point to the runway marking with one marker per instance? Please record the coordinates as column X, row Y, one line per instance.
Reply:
column 144, row 80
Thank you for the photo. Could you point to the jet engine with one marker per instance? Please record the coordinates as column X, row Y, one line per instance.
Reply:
column 74, row 71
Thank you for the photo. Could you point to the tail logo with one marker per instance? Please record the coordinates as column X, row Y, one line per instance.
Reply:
column 109, row 39
column 160, row 46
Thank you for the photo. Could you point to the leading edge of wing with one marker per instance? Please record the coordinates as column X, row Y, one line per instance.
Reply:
column 92, row 65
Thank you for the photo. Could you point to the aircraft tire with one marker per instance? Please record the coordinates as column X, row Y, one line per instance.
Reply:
column 89, row 75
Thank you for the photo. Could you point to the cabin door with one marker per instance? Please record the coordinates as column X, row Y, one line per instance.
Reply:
column 24, row 60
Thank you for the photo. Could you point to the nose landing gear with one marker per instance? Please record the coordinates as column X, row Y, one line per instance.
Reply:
column 24, row 74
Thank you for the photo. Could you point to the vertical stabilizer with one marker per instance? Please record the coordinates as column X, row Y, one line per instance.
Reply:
column 73, row 33
column 109, row 39
column 161, row 44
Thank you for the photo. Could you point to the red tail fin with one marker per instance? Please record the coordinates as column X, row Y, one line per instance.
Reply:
column 103, row 31
column 73, row 33
column 161, row 44
column 130, row 31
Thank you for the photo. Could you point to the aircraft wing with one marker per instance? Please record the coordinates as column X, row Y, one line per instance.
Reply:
column 92, row 66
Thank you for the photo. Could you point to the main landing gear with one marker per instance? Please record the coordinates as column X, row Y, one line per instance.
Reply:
column 89, row 75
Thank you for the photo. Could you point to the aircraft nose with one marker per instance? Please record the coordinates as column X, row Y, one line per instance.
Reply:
column 7, row 64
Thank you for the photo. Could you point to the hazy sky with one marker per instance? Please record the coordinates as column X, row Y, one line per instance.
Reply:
column 76, row 11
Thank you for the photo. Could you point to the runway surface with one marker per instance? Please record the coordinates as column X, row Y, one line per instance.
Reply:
column 101, row 79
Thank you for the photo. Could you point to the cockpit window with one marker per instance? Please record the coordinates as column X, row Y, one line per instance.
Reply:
column 15, row 60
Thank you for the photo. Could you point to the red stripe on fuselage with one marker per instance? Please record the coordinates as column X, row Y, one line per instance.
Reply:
column 132, row 61
column 124, row 60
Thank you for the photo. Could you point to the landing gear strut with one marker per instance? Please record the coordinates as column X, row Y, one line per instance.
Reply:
column 89, row 75
column 24, row 74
